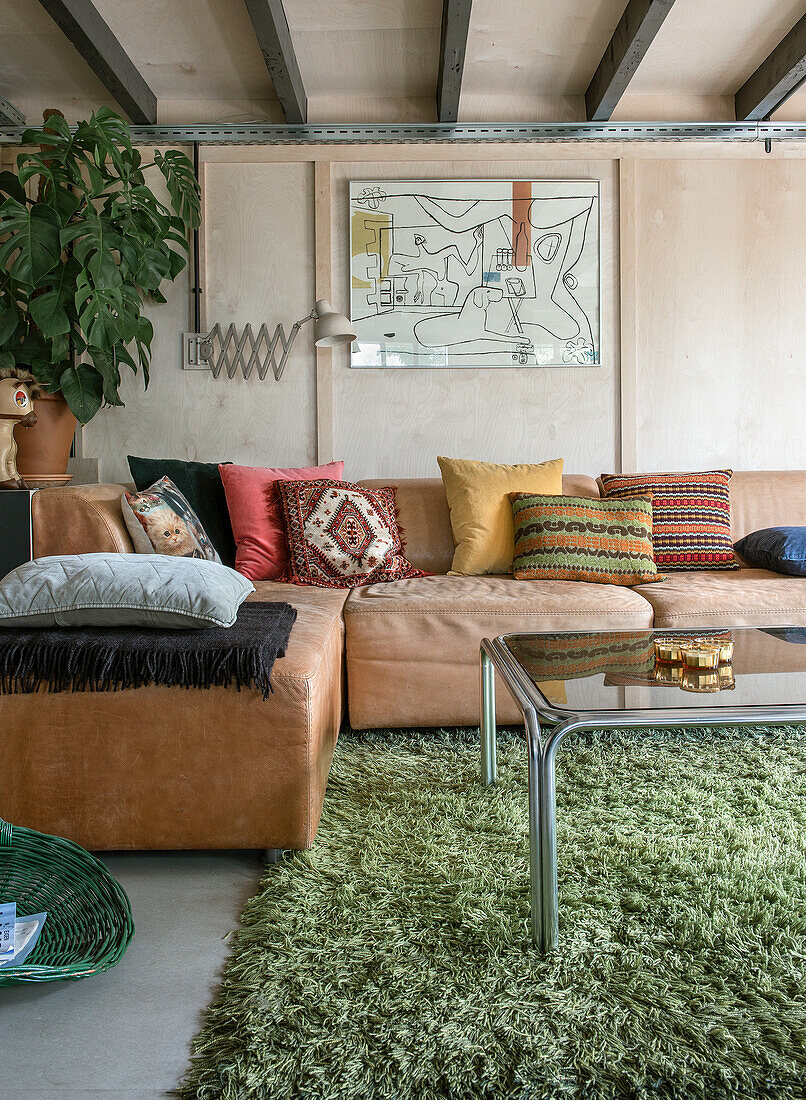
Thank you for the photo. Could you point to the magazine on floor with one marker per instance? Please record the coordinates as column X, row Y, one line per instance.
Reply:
column 18, row 935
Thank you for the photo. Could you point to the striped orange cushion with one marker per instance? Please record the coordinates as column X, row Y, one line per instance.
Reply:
column 690, row 516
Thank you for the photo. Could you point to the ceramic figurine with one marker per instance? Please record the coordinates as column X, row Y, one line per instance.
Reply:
column 17, row 391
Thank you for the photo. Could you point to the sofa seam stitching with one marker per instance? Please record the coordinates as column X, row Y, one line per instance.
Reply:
column 308, row 762
column 749, row 611
column 498, row 611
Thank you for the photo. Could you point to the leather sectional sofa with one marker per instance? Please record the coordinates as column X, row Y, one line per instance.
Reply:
column 160, row 767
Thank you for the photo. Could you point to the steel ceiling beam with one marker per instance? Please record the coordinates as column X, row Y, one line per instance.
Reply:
column 452, row 48
column 452, row 134
column 91, row 36
column 776, row 78
column 641, row 21
column 9, row 114
column 274, row 38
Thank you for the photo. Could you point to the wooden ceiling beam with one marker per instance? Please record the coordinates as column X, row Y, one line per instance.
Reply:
column 91, row 36
column 453, row 45
column 776, row 77
column 641, row 21
column 9, row 114
column 274, row 38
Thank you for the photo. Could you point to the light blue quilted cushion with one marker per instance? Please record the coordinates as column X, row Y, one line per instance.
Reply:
column 122, row 590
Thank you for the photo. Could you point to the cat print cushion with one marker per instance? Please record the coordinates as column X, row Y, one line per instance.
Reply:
column 161, row 521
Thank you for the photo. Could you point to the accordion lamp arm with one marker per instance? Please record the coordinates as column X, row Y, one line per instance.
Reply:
column 227, row 351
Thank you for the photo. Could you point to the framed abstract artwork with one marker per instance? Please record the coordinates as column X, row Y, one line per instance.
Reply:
column 484, row 273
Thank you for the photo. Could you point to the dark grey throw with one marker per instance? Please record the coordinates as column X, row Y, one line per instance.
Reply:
column 108, row 659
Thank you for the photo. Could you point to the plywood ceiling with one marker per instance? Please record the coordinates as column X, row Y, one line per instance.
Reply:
column 366, row 48
column 537, row 47
column 711, row 48
column 524, row 57
column 190, row 49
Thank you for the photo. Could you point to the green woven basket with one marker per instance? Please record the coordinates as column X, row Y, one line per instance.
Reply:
column 89, row 924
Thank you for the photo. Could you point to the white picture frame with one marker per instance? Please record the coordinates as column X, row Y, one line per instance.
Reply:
column 475, row 273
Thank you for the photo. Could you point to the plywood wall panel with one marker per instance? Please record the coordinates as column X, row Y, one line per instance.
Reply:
column 713, row 326
column 719, row 314
column 259, row 245
column 394, row 422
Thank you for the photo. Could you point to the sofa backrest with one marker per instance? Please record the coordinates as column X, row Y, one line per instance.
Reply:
column 766, row 498
column 87, row 518
column 426, row 522
column 80, row 519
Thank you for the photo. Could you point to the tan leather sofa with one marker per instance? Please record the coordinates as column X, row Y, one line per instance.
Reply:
column 160, row 767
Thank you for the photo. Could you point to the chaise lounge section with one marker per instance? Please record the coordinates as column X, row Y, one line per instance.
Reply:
column 163, row 767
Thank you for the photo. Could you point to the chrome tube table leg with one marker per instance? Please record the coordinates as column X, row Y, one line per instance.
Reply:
column 489, row 762
column 542, row 794
column 541, row 914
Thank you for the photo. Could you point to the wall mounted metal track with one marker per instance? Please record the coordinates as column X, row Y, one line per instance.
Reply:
column 350, row 134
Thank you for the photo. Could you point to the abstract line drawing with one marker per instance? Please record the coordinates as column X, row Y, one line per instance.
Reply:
column 475, row 273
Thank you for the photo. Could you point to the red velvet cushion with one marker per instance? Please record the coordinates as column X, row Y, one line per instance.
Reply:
column 257, row 515
column 342, row 535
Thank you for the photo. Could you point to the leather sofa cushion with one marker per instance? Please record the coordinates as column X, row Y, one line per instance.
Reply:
column 413, row 646
column 425, row 520
column 746, row 597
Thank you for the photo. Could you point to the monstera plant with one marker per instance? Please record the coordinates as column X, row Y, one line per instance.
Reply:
column 84, row 242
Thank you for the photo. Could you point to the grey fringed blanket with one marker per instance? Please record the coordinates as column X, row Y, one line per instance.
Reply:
column 107, row 659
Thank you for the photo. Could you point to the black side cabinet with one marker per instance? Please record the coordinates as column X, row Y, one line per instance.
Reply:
column 16, row 536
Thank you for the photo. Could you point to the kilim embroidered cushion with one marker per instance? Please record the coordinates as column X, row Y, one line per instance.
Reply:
column 690, row 516
column 577, row 539
column 342, row 535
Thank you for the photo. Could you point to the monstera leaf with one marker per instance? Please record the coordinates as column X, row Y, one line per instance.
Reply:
column 108, row 315
column 50, row 308
column 78, row 260
column 11, row 187
column 9, row 319
column 182, row 185
column 31, row 248
column 83, row 390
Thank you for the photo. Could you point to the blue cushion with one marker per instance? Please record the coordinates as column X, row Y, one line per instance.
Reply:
column 782, row 549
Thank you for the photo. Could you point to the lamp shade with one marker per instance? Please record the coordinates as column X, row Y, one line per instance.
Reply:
column 329, row 328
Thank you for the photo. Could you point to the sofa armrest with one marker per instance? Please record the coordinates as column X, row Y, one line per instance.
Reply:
column 85, row 519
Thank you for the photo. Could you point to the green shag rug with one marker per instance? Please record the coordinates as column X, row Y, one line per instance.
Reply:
column 393, row 961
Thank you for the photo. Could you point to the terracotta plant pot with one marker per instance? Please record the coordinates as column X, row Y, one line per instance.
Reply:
column 44, row 449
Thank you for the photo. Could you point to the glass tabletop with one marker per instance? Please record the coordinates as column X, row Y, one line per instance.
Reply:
column 645, row 669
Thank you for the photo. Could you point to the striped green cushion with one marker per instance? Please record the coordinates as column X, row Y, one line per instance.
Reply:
column 578, row 539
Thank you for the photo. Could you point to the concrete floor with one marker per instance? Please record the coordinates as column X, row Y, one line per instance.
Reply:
column 126, row 1033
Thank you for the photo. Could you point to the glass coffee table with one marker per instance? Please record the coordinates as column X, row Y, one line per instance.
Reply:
column 563, row 683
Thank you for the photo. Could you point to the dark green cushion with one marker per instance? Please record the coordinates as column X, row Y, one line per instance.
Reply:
column 201, row 484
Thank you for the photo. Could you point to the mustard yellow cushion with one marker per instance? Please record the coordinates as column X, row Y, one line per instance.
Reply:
column 481, row 514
